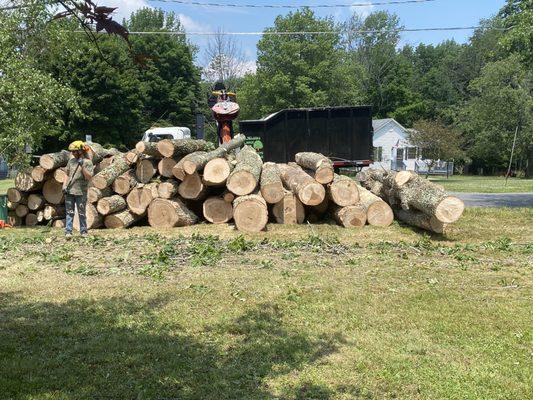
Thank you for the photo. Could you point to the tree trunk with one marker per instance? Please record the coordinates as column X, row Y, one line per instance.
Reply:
column 182, row 147
column 39, row 174
column 97, row 153
column 132, row 157
column 165, row 167
column 53, row 192
column 217, row 172
column 420, row 220
column 271, row 185
column 140, row 198
column 245, row 177
column 289, row 211
column 168, row 189
column 250, row 213
column 378, row 213
column 16, row 196
column 228, row 196
column 95, row 194
column 148, row 149
column 106, row 162
column 51, row 211
column 94, row 219
column 31, row 219
column 197, row 162
column 350, row 217
column 146, row 169
column 22, row 210
column 309, row 191
column 321, row 166
column 125, row 182
column 110, row 205
column 106, row 177
column 54, row 160
column 343, row 191
column 178, row 171
column 35, row 202
column 171, row 213
column 59, row 223
column 192, row 187
column 25, row 183
column 60, row 175
column 122, row 219
column 217, row 211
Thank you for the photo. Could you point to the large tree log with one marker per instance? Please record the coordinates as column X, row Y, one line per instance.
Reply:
column 106, row 162
column 54, row 160
column 94, row 219
column 250, row 213
column 245, row 176
column 217, row 171
column 170, row 213
column 271, row 185
column 321, row 166
column 16, row 196
column 39, row 174
column 289, row 211
column 140, row 197
column 192, row 187
column 95, row 194
column 22, row 210
column 343, row 191
column 25, row 183
column 132, row 157
column 378, row 213
column 60, row 175
column 35, row 202
column 125, row 182
column 168, row 189
column 122, row 219
column 13, row 219
column 420, row 220
column 165, row 166
column 11, row 206
column 181, row 147
column 53, row 192
column 53, row 211
column 178, row 171
column 59, row 223
column 106, row 177
column 350, row 217
column 316, row 213
column 112, row 204
column 217, row 211
column 197, row 162
column 309, row 191
column 97, row 152
column 31, row 219
column 146, row 169
column 148, row 149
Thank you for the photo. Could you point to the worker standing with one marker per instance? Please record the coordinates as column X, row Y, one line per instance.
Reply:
column 79, row 172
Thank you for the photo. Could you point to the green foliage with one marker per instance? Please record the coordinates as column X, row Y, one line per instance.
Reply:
column 517, row 15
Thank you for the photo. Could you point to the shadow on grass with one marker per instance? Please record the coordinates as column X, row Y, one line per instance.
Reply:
column 122, row 349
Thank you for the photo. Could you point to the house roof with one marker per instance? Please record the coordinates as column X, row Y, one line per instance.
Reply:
column 377, row 124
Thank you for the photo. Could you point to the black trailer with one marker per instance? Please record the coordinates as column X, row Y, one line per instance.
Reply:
column 344, row 134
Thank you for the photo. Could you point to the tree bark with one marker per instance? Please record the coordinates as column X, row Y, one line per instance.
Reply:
column 140, row 197
column 343, row 191
column 250, row 213
column 60, row 175
column 106, row 162
column 245, row 177
column 132, row 157
column 171, row 213
column 148, row 149
column 378, row 213
column 182, row 147
column 420, row 220
column 31, row 219
column 95, row 194
column 16, row 196
column 22, row 210
column 94, row 219
column 146, row 169
column 110, row 205
column 350, row 217
column 321, row 166
column 107, row 176
column 178, row 171
column 51, row 211
column 53, row 192
column 54, row 160
column 13, row 219
column 289, row 211
column 25, row 183
column 122, row 219
column 309, row 191
column 271, row 185
column 39, row 174
column 11, row 206
column 97, row 153
column 192, row 187
column 168, row 189
column 125, row 182
column 35, row 202
column 217, row 172
column 217, row 211
column 165, row 167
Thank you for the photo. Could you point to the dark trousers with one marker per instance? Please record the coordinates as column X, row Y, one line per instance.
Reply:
column 71, row 202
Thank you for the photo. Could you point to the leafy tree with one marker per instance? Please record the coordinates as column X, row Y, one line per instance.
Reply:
column 517, row 16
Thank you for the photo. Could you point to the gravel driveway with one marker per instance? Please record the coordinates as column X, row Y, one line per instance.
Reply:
column 496, row 199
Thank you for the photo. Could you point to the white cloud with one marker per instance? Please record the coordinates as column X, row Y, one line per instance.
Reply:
column 250, row 67
column 363, row 11
column 190, row 25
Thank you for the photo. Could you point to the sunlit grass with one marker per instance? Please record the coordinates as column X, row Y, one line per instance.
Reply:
column 484, row 184
column 6, row 184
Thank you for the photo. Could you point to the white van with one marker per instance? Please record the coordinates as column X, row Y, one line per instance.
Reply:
column 174, row 132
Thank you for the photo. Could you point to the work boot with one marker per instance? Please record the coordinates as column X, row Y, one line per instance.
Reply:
column 68, row 235
column 85, row 234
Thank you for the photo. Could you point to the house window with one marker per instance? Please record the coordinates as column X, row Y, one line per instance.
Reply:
column 378, row 154
column 411, row 153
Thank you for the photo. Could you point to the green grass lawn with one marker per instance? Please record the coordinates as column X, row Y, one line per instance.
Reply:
column 307, row 312
column 484, row 184
column 5, row 184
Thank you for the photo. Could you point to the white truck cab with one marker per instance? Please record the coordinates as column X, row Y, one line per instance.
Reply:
column 174, row 132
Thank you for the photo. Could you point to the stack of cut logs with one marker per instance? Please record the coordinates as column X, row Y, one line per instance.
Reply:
column 173, row 183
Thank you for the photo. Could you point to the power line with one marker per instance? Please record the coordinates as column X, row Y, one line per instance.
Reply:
column 293, row 6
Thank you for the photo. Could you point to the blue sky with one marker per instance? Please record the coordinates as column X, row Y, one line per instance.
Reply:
column 438, row 13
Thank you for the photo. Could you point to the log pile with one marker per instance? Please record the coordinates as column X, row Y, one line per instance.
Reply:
column 175, row 183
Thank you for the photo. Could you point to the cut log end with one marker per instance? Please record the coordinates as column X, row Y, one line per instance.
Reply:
column 380, row 214
column 324, row 175
column 312, row 194
column 169, row 214
column 99, row 182
column 217, row 211
column 351, row 217
column 449, row 210
column 273, row 192
column 250, row 213
column 402, row 177
column 344, row 192
column 242, row 183
column 216, row 172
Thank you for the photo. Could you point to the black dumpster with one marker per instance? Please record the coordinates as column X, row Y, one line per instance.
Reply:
column 342, row 133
